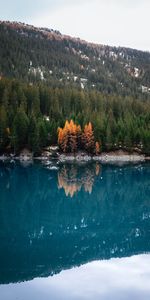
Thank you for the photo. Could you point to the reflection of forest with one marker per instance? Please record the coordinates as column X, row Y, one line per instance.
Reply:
column 41, row 233
column 71, row 179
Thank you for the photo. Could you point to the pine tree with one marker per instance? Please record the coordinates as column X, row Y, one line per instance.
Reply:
column 72, row 137
column 65, row 144
column 60, row 137
column 20, row 129
column 88, row 138
column 67, row 137
column 43, row 134
column 79, row 136
column 4, row 134
column 33, row 134
column 109, row 138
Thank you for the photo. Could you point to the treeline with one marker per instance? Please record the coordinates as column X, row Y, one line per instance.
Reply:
column 30, row 116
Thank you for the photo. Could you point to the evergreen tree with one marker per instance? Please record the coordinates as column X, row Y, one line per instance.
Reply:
column 88, row 138
column 43, row 134
column 4, row 131
column 33, row 134
column 109, row 138
column 20, row 129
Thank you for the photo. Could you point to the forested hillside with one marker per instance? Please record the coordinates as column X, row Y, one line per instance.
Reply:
column 40, row 54
column 47, row 78
column 30, row 116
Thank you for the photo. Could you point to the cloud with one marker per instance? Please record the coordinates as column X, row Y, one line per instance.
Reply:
column 24, row 9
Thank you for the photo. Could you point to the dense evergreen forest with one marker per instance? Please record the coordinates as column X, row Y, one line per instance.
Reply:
column 30, row 116
column 58, row 89
column 40, row 54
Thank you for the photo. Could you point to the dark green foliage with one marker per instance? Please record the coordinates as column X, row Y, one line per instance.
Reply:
column 33, row 134
column 55, row 78
column 20, row 129
column 43, row 134
column 146, row 141
column 31, row 115
column 42, row 55
column 4, row 131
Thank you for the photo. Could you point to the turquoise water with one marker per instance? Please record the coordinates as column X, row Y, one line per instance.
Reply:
column 75, row 232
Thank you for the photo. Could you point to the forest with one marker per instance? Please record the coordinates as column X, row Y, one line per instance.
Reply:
column 36, row 116
column 43, row 55
column 59, row 90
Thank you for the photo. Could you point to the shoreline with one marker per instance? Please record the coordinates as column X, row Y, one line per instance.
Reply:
column 51, row 155
column 105, row 158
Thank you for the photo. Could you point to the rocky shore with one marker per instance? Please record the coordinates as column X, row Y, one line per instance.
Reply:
column 104, row 157
column 52, row 154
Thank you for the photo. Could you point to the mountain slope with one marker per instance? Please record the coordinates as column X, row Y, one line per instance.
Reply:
column 40, row 54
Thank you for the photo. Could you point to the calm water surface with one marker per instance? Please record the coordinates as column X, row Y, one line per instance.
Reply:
column 75, row 232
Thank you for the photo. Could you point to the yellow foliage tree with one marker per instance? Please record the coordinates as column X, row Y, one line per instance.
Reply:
column 71, row 138
column 67, row 137
column 88, row 138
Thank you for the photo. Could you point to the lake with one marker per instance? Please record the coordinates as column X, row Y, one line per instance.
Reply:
column 74, row 232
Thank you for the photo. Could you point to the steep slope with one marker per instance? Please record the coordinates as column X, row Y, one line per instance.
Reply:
column 40, row 54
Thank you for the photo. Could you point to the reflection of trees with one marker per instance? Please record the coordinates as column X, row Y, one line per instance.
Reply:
column 41, row 233
column 72, row 178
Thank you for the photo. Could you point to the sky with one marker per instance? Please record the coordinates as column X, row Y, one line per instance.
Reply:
column 109, row 22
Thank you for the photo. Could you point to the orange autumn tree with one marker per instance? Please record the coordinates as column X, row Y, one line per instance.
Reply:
column 79, row 136
column 71, row 138
column 88, row 138
column 68, row 137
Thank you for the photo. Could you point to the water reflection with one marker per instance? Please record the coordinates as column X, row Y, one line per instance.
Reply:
column 72, row 178
column 42, row 233
column 115, row 279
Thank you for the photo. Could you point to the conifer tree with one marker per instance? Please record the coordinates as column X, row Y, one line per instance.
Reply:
column 33, row 134
column 67, row 137
column 88, row 138
column 4, row 134
column 109, row 138
column 65, row 144
column 20, row 129
column 43, row 134
column 72, row 137
column 79, row 136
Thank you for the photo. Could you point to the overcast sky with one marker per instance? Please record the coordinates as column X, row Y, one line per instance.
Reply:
column 111, row 22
